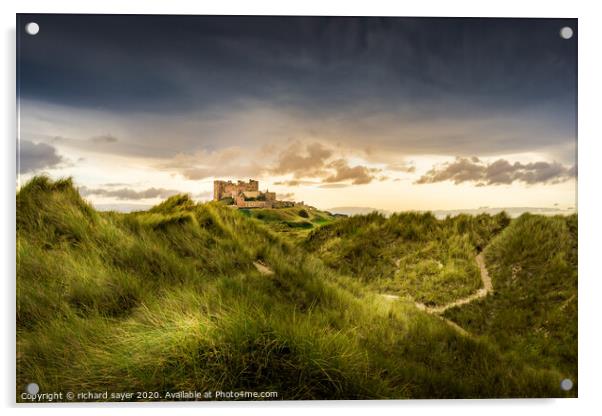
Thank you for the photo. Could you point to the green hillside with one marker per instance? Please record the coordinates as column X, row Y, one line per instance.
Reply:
column 292, row 222
column 173, row 299
column 409, row 254
column 533, row 311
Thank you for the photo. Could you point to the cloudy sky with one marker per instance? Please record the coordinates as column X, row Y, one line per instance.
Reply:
column 390, row 113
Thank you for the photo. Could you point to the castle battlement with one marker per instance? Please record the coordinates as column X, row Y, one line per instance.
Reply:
column 246, row 194
column 229, row 189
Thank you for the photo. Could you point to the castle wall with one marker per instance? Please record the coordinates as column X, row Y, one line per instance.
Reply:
column 237, row 191
column 223, row 189
column 254, row 204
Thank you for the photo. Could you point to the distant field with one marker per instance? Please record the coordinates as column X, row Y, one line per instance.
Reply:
column 293, row 222
column 172, row 299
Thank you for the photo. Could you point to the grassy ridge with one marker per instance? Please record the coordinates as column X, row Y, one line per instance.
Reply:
column 292, row 222
column 411, row 254
column 169, row 299
column 533, row 312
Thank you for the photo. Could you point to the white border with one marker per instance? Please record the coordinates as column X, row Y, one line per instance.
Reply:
column 590, row 207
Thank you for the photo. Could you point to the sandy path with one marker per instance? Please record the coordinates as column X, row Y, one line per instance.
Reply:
column 263, row 269
column 481, row 293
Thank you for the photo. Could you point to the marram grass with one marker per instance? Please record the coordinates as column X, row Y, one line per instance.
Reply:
column 170, row 299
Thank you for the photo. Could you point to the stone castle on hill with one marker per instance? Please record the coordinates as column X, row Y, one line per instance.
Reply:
column 247, row 195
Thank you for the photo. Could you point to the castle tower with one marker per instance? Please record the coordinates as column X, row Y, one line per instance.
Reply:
column 253, row 185
column 217, row 190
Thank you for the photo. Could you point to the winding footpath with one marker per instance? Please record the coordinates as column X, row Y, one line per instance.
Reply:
column 438, row 310
column 435, row 310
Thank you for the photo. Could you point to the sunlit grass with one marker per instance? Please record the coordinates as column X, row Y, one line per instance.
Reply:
column 409, row 254
column 169, row 299
column 533, row 311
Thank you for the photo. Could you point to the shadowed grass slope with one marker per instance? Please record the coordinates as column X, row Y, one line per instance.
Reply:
column 533, row 311
column 169, row 299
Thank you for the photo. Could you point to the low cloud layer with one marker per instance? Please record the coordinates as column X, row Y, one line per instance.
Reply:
column 313, row 160
column 103, row 138
column 378, row 136
column 295, row 182
column 310, row 163
column 227, row 162
column 358, row 175
column 402, row 167
column 286, row 196
column 37, row 156
column 129, row 193
column 206, row 195
column 303, row 161
column 500, row 172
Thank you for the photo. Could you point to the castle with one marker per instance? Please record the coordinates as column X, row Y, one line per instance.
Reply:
column 247, row 195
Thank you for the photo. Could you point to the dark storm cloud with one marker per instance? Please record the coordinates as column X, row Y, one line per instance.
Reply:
column 36, row 156
column 499, row 172
column 171, row 63
column 407, row 85
column 128, row 193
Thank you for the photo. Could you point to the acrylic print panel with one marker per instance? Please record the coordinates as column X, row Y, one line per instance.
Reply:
column 295, row 208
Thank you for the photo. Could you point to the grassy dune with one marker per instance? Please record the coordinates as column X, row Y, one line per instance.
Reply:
column 292, row 222
column 169, row 299
column 533, row 312
column 413, row 254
